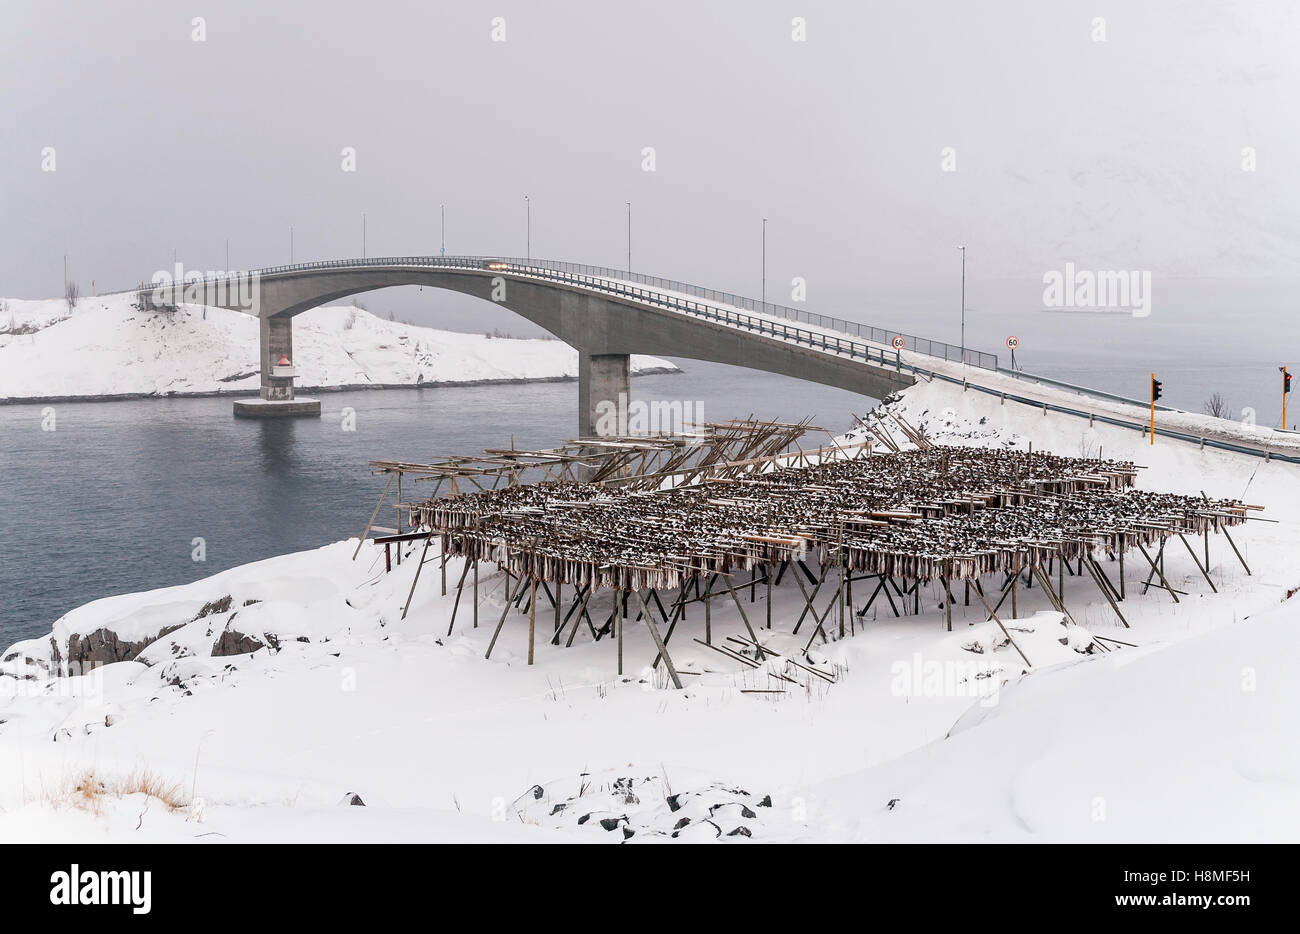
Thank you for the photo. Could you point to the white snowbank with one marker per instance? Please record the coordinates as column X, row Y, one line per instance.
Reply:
column 105, row 347
column 1186, row 735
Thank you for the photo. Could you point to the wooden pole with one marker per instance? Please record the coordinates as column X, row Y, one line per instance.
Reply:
column 581, row 615
column 1204, row 570
column 379, row 505
column 708, row 614
column 532, row 619
column 502, row 621
column 1105, row 592
column 767, row 573
column 808, row 601
column 1235, row 551
column 1157, row 570
column 559, row 599
column 415, row 580
column 745, row 619
column 659, row 643
column 460, row 587
column 1004, row 629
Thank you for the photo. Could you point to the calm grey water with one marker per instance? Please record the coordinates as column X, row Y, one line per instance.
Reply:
column 110, row 501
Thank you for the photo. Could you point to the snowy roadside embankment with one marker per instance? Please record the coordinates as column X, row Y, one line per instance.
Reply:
column 105, row 348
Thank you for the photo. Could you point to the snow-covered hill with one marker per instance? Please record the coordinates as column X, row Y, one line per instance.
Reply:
column 105, row 347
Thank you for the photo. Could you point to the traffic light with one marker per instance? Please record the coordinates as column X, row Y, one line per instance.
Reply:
column 1155, row 388
column 1286, row 381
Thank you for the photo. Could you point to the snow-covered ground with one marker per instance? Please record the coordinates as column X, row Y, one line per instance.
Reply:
column 105, row 347
column 327, row 693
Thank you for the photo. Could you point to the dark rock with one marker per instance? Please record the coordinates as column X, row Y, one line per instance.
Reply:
column 353, row 799
column 673, row 803
column 740, row 832
column 746, row 812
column 101, row 647
column 584, row 818
column 628, row 832
column 766, row 802
column 537, row 792
column 681, row 823
column 212, row 607
column 609, row 823
column 558, row 808
column 234, row 642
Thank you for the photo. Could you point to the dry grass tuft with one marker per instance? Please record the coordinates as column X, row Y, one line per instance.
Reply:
column 88, row 791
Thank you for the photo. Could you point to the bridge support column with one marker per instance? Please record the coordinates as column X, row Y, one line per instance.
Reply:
column 276, row 341
column 601, row 378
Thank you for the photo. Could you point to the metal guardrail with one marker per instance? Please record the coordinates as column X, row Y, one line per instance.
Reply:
column 921, row 345
column 813, row 339
column 1082, row 390
column 1119, row 422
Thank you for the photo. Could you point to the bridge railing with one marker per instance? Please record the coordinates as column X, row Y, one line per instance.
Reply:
column 877, row 335
column 817, row 340
column 923, row 345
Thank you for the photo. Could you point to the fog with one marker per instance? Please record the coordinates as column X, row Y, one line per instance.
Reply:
column 894, row 133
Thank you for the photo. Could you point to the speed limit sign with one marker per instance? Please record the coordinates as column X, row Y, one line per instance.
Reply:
column 1013, row 342
column 898, row 343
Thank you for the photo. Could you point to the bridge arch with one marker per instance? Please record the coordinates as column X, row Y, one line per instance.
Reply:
column 604, row 319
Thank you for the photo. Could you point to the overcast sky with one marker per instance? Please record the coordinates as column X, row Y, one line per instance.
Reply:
column 1125, row 152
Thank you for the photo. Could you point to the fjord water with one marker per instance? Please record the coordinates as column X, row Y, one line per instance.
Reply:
column 112, row 499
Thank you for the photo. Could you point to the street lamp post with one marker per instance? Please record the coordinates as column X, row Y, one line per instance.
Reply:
column 963, row 303
column 443, row 248
column 363, row 235
column 528, row 229
column 291, row 243
column 629, row 238
column 764, row 291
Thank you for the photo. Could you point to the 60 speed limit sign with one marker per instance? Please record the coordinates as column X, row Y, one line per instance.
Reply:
column 1013, row 342
column 898, row 343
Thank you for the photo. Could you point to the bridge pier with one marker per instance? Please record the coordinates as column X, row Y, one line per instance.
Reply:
column 276, row 341
column 601, row 378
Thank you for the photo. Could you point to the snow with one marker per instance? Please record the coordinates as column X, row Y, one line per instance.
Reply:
column 105, row 348
column 921, row 733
